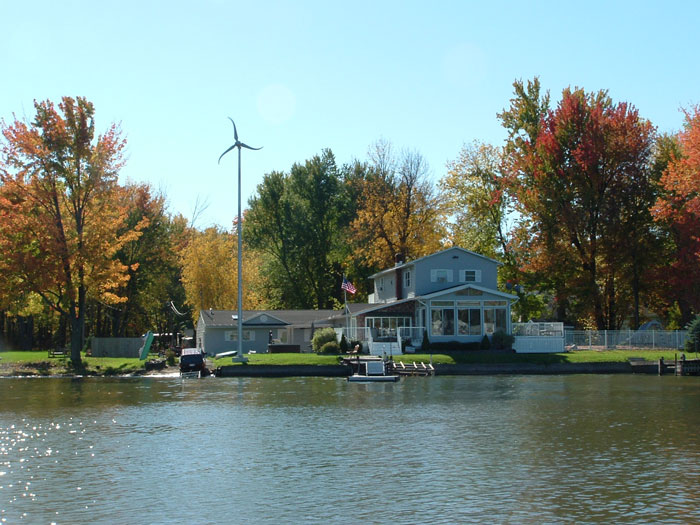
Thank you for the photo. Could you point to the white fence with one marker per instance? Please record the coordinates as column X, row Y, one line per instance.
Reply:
column 538, row 338
column 625, row 339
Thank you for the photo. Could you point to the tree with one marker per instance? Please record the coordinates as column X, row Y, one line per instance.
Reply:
column 210, row 270
column 296, row 222
column 61, row 218
column 476, row 202
column 577, row 177
column 399, row 211
column 678, row 209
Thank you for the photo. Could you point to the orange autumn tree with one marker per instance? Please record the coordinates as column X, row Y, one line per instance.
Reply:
column 60, row 215
column 679, row 209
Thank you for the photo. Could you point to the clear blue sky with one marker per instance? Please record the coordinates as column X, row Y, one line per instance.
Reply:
column 301, row 76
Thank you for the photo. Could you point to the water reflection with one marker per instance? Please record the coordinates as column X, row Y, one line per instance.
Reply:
column 446, row 449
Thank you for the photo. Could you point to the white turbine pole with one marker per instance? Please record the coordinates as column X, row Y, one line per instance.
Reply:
column 238, row 144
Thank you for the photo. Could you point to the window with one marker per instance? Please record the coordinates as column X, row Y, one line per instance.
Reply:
column 441, row 276
column 442, row 317
column 470, row 276
column 494, row 320
column 232, row 335
column 407, row 279
column 380, row 284
column 469, row 317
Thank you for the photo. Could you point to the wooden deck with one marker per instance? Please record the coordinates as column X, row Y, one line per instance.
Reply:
column 412, row 369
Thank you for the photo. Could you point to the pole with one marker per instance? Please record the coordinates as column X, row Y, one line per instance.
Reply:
column 239, row 356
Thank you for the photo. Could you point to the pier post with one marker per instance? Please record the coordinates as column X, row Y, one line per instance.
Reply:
column 661, row 366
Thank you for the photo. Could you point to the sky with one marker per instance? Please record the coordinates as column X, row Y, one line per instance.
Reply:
column 301, row 76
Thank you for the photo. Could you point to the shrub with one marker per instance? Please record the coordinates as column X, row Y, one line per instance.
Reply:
column 455, row 346
column 425, row 345
column 331, row 347
column 321, row 337
column 344, row 347
column 485, row 343
column 692, row 344
column 170, row 357
column 502, row 341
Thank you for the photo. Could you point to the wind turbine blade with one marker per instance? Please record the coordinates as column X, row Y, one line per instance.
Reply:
column 246, row 146
column 235, row 131
column 225, row 152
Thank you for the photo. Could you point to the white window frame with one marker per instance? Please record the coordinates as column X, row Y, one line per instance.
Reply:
column 407, row 279
column 232, row 335
column 441, row 275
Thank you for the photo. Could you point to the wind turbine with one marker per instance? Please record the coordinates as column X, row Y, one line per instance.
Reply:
column 238, row 144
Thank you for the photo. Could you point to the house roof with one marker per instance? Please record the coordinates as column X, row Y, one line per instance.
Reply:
column 433, row 295
column 411, row 263
column 229, row 318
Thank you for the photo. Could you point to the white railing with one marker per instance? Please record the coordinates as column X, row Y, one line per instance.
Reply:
column 354, row 333
column 538, row 329
column 624, row 339
column 410, row 337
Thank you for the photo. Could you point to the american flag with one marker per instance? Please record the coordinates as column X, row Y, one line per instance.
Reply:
column 347, row 286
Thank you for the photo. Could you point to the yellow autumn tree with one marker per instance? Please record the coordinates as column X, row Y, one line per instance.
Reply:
column 210, row 270
column 399, row 211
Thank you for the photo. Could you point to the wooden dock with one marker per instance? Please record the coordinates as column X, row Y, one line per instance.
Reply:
column 680, row 367
column 412, row 369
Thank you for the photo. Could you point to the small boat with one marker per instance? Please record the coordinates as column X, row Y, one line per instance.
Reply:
column 371, row 372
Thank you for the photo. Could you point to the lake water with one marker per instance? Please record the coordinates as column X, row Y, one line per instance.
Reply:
column 508, row 449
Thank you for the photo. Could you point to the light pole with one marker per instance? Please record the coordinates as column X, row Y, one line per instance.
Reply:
column 238, row 144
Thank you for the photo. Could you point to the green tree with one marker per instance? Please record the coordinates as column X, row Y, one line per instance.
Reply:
column 296, row 222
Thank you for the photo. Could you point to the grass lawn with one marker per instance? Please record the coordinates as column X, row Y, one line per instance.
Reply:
column 282, row 360
column 38, row 363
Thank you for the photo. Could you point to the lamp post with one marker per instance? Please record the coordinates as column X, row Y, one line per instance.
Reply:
column 238, row 144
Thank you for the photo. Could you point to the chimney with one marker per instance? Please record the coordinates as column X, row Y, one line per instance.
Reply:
column 398, row 258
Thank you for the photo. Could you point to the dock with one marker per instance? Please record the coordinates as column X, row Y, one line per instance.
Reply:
column 680, row 367
column 411, row 369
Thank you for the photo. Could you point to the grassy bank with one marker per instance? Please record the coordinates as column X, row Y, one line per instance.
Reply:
column 37, row 362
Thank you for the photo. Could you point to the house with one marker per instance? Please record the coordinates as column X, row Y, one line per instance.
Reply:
column 452, row 295
column 217, row 330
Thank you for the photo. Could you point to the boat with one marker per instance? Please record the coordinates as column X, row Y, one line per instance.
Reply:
column 371, row 372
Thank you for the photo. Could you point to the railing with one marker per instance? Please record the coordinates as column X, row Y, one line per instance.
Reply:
column 354, row 333
column 538, row 329
column 625, row 339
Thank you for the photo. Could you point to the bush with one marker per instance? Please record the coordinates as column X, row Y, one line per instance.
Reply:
column 502, row 341
column 692, row 344
column 331, row 347
column 321, row 337
column 344, row 347
column 170, row 357
column 425, row 345
column 485, row 343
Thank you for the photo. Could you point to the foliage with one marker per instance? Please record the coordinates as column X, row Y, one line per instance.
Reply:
column 62, row 213
column 476, row 202
column 210, row 272
column 170, row 357
column 581, row 181
column 678, row 208
column 692, row 344
column 398, row 212
column 485, row 343
column 344, row 347
column 321, row 337
column 502, row 341
column 296, row 221
column 331, row 347
column 425, row 344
